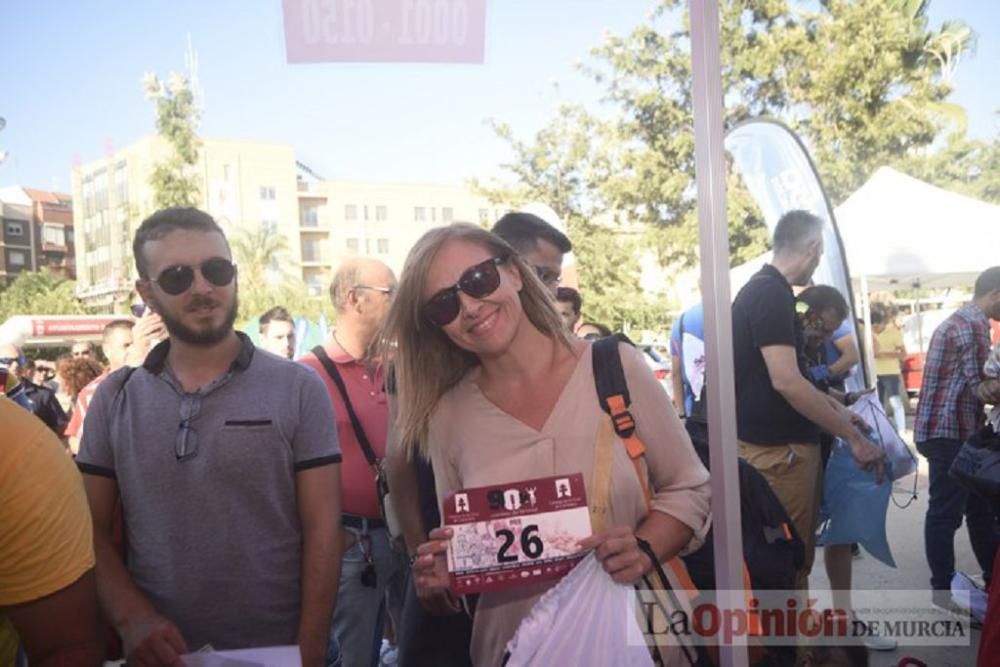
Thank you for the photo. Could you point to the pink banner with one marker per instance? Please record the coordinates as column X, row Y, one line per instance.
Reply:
column 41, row 326
column 430, row 31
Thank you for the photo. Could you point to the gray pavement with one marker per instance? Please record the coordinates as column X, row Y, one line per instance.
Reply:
column 906, row 537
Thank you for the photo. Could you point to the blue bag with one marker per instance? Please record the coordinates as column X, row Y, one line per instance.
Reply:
column 854, row 505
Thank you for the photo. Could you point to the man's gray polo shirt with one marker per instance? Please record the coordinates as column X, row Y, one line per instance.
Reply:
column 214, row 538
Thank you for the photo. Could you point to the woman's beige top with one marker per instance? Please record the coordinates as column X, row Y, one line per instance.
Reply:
column 474, row 443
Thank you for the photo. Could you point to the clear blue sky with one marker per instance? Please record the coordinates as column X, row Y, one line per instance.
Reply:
column 70, row 84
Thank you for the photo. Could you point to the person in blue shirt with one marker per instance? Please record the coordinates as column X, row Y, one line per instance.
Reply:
column 830, row 346
column 687, row 360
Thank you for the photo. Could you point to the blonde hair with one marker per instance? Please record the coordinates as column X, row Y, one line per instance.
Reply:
column 425, row 361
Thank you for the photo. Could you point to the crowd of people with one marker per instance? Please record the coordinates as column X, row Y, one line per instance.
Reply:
column 230, row 496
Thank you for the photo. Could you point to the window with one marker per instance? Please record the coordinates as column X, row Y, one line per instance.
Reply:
column 352, row 245
column 53, row 234
column 447, row 214
column 16, row 258
column 419, row 214
column 269, row 226
column 433, row 214
column 88, row 196
column 350, row 212
column 484, row 215
column 309, row 215
column 312, row 251
column 383, row 246
column 381, row 214
column 121, row 183
column 15, row 229
column 267, row 193
column 225, row 173
column 366, row 211
column 101, row 190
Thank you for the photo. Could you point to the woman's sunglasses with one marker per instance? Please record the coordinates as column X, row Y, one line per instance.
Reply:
column 178, row 279
column 477, row 281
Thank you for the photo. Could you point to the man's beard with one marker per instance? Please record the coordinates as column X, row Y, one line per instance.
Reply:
column 202, row 337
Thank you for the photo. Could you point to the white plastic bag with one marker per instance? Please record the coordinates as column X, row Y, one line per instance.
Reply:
column 902, row 459
column 583, row 620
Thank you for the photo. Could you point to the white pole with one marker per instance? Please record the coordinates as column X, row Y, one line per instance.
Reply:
column 866, row 313
column 710, row 172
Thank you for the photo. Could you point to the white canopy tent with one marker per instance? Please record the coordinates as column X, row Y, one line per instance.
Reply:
column 901, row 232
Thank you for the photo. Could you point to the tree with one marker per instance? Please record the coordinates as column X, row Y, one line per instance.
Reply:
column 608, row 269
column 39, row 292
column 971, row 167
column 262, row 259
column 261, row 254
column 865, row 82
column 560, row 167
column 173, row 180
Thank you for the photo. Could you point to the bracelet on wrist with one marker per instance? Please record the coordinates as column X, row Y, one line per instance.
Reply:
column 647, row 549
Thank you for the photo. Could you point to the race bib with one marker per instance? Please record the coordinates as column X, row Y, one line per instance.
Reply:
column 510, row 535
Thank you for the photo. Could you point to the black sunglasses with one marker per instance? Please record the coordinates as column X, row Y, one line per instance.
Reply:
column 178, row 279
column 477, row 281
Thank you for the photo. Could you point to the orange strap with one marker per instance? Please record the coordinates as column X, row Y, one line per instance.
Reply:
column 624, row 424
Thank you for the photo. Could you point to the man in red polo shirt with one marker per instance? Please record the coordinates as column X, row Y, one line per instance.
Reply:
column 124, row 342
column 373, row 573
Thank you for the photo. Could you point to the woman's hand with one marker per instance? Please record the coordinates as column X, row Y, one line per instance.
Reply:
column 619, row 553
column 430, row 574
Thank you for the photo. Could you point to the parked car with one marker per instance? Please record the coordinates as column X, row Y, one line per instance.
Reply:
column 660, row 367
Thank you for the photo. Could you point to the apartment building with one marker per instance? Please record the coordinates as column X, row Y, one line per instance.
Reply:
column 243, row 184
column 246, row 185
column 37, row 232
column 341, row 219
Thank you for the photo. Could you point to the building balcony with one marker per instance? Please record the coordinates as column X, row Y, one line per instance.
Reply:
column 315, row 260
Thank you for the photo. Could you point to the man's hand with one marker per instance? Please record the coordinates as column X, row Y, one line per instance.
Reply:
column 152, row 641
column 868, row 455
column 148, row 329
column 858, row 420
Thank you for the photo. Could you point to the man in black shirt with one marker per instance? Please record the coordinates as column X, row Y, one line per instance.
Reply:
column 779, row 413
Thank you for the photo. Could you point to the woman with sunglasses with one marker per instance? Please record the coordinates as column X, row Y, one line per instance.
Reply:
column 494, row 390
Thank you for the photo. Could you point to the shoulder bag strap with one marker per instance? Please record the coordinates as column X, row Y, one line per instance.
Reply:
column 359, row 432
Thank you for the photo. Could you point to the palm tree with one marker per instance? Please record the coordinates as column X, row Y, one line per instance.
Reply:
column 946, row 46
column 941, row 50
column 261, row 255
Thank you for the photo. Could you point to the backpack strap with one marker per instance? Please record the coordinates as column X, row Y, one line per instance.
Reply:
column 359, row 431
column 614, row 399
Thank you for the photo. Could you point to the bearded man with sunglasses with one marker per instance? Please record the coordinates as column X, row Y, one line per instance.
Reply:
column 226, row 463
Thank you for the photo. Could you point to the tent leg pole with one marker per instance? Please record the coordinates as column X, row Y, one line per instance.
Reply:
column 866, row 313
column 710, row 177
